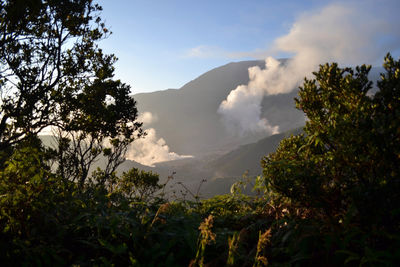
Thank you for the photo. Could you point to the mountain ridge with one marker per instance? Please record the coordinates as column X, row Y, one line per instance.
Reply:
column 188, row 118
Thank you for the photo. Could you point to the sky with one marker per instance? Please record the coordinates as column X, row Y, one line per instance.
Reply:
column 165, row 44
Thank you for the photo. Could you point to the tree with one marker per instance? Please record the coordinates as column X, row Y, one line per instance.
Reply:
column 53, row 74
column 26, row 188
column 345, row 168
column 140, row 185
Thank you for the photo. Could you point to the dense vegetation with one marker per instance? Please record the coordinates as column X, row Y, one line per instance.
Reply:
column 327, row 197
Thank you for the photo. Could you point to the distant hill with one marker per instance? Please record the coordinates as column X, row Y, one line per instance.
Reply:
column 248, row 157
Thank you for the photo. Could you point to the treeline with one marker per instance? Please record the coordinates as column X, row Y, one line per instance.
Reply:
column 328, row 197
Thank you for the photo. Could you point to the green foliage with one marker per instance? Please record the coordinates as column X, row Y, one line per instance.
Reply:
column 263, row 239
column 345, row 168
column 232, row 250
column 22, row 183
column 206, row 238
column 139, row 185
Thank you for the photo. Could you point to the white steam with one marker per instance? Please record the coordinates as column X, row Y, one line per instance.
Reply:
column 347, row 34
column 242, row 107
column 151, row 149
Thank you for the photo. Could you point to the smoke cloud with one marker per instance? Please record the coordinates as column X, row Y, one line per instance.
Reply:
column 349, row 34
column 151, row 149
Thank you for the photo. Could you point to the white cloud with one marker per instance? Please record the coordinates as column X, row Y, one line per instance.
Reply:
column 151, row 149
column 345, row 33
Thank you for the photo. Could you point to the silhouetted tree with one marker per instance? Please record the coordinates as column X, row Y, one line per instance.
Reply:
column 52, row 73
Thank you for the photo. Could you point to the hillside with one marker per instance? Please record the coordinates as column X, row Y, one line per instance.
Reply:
column 247, row 157
column 188, row 120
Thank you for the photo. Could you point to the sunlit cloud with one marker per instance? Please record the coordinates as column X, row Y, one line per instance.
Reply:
column 152, row 149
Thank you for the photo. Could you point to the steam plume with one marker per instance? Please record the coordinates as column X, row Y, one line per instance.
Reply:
column 345, row 33
column 151, row 149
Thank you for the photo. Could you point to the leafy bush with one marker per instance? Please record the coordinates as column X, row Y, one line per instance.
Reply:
column 345, row 169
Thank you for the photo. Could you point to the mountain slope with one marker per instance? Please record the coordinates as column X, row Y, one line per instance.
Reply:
column 248, row 157
column 188, row 119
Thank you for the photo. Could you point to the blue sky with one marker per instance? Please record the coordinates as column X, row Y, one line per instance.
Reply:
column 165, row 44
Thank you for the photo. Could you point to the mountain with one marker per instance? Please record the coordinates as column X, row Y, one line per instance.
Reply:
column 188, row 120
